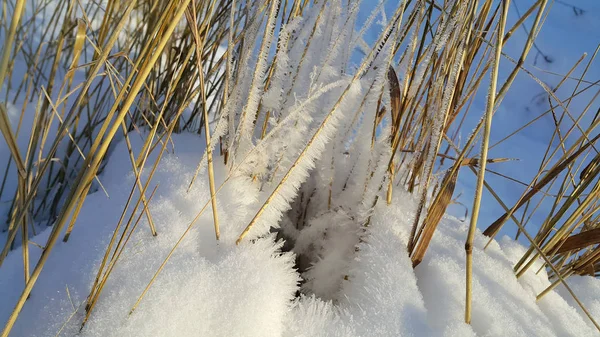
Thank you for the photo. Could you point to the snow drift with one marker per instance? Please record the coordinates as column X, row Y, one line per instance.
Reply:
column 210, row 289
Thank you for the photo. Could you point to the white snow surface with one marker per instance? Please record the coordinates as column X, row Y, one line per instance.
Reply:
column 210, row 289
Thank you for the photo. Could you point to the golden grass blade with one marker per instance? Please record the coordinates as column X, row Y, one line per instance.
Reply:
column 9, row 38
column 395, row 96
column 249, row 111
column 433, row 217
column 11, row 140
column 580, row 241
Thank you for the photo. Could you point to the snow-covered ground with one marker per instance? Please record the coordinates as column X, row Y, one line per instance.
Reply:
column 210, row 289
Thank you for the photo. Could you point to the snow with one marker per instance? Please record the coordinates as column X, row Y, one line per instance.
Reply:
column 583, row 285
column 204, row 284
column 249, row 290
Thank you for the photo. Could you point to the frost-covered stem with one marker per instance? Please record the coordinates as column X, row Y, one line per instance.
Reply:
column 248, row 115
column 296, row 163
column 303, row 57
column 282, row 46
column 483, row 160
column 330, row 52
column 359, row 73
column 228, row 64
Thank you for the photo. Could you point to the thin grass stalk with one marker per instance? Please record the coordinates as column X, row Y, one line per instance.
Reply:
column 191, row 17
column 483, row 162
column 96, row 291
column 228, row 74
column 9, row 39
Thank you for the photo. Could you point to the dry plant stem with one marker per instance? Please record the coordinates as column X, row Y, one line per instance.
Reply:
column 168, row 134
column 137, row 173
column 483, row 159
column 366, row 62
column 199, row 43
column 24, row 235
column 580, row 240
column 9, row 39
column 95, row 292
column 433, row 217
column 93, row 162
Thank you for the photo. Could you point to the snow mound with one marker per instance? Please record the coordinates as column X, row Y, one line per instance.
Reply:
column 385, row 297
column 210, row 289
column 206, row 289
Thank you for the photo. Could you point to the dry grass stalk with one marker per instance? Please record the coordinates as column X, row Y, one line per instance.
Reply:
column 19, row 8
column 199, row 43
column 580, row 241
column 491, row 103
column 433, row 217
column 396, row 114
